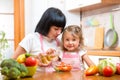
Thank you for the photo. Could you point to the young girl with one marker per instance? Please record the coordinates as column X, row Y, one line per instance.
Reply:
column 73, row 51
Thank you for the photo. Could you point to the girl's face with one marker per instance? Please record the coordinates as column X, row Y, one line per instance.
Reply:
column 70, row 42
column 54, row 32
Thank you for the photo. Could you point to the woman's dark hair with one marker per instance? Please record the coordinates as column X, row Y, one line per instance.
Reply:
column 51, row 17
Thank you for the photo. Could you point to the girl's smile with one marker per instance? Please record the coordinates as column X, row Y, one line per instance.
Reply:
column 71, row 42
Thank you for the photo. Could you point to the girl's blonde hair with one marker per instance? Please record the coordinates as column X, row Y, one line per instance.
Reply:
column 75, row 30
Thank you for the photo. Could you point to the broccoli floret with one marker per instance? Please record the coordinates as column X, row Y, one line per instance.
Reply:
column 12, row 69
column 5, row 70
column 23, row 70
column 14, row 73
column 8, row 63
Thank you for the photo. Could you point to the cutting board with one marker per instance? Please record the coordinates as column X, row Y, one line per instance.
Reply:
column 99, row 38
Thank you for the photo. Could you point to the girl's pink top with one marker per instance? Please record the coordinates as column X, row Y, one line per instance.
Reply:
column 73, row 59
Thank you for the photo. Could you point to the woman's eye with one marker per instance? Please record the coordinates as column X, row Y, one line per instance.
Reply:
column 56, row 29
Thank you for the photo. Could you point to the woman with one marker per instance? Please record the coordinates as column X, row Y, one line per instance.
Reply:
column 47, row 30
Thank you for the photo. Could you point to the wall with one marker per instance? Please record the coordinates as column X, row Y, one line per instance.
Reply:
column 35, row 8
column 100, row 18
column 7, row 24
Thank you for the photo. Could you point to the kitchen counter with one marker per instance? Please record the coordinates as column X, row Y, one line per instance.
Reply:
column 76, row 75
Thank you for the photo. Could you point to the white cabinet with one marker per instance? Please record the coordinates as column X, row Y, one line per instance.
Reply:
column 76, row 4
column 84, row 5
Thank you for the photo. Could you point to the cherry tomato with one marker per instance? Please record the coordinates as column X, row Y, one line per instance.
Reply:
column 107, row 71
column 63, row 67
column 91, row 70
column 30, row 61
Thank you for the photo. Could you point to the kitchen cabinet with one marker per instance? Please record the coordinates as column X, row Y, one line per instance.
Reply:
column 84, row 5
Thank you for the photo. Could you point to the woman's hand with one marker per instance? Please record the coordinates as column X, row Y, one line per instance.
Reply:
column 42, row 60
column 43, row 64
column 52, row 54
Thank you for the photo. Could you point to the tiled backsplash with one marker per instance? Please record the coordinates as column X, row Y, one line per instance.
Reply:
column 99, row 18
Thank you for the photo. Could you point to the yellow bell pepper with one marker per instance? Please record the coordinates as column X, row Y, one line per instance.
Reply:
column 21, row 58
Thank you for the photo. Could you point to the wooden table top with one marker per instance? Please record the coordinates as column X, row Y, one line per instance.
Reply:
column 76, row 75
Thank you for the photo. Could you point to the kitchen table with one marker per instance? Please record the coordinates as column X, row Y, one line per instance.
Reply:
column 76, row 75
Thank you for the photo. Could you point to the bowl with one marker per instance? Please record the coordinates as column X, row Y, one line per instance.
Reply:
column 31, row 70
column 61, row 66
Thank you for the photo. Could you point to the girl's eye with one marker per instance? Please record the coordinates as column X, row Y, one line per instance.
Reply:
column 67, row 39
column 74, row 39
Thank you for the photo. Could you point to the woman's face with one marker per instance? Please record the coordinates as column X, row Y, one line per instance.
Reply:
column 70, row 42
column 54, row 32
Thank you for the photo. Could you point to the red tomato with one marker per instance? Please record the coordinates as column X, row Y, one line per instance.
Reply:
column 30, row 61
column 118, row 68
column 91, row 70
column 107, row 71
column 64, row 68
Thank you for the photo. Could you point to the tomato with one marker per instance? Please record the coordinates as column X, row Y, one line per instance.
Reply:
column 63, row 67
column 107, row 71
column 91, row 70
column 59, row 67
column 118, row 68
column 30, row 61
column 104, row 64
column 62, row 64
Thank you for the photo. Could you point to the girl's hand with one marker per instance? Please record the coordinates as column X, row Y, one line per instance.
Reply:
column 50, row 51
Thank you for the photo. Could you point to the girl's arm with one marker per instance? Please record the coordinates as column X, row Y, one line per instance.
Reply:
column 88, row 61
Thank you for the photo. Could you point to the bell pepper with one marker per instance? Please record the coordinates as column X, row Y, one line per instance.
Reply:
column 103, row 64
column 21, row 58
column 92, row 70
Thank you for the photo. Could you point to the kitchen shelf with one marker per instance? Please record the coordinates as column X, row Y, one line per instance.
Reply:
column 114, row 53
column 103, row 3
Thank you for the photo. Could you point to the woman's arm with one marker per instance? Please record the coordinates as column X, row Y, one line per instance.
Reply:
column 19, row 50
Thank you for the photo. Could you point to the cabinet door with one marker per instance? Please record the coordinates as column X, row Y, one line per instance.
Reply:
column 73, row 4
column 89, row 2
